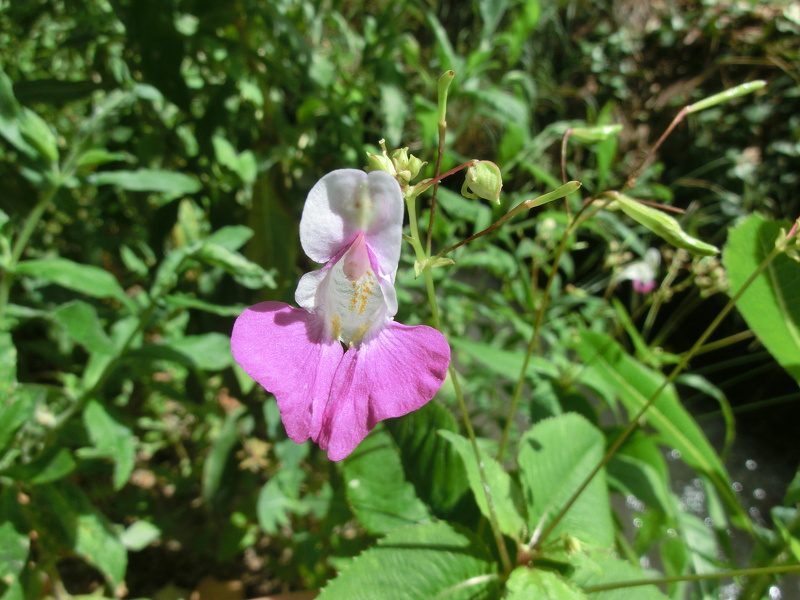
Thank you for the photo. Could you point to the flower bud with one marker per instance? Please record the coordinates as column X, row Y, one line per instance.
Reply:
column 483, row 181
column 407, row 166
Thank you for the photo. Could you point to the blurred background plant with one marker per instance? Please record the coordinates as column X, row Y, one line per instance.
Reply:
column 154, row 160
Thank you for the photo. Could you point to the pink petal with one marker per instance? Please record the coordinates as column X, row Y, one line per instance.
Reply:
column 392, row 374
column 285, row 350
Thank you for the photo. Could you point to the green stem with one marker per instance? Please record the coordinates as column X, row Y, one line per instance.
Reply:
column 634, row 422
column 756, row 571
column 431, row 293
column 21, row 242
column 515, row 398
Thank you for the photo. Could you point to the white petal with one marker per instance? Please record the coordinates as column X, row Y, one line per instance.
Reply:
column 347, row 202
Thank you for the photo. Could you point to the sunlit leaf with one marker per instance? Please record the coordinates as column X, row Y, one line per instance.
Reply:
column 770, row 305
column 435, row 560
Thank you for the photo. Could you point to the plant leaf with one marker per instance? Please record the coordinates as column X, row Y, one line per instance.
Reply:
column 79, row 526
column 112, row 439
column 506, row 496
column 527, row 584
column 443, row 481
column 377, row 489
column 434, row 560
column 87, row 279
column 635, row 384
column 770, row 304
column 555, row 457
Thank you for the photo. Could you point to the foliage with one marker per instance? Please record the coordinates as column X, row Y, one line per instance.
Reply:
column 154, row 159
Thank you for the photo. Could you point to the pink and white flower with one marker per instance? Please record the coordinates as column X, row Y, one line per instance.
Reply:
column 642, row 272
column 334, row 394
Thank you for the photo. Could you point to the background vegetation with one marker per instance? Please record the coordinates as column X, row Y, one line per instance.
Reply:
column 154, row 159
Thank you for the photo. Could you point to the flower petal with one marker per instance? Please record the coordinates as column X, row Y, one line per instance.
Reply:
column 286, row 350
column 396, row 372
column 347, row 202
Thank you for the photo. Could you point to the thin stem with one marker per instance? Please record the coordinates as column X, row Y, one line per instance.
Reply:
column 431, row 293
column 21, row 242
column 561, row 192
column 515, row 398
column 678, row 118
column 634, row 422
column 757, row 571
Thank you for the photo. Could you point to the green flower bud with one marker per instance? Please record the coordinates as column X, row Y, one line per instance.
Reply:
column 483, row 181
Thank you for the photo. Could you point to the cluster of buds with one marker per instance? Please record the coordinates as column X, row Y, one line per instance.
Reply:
column 709, row 276
column 398, row 163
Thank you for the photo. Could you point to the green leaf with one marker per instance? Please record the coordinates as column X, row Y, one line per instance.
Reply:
column 208, row 351
column 53, row 464
column 14, row 548
column 639, row 469
column 663, row 226
column 79, row 526
column 37, row 132
column 273, row 506
column 83, row 325
column 377, row 489
column 599, row 568
column 98, row 156
column 11, row 116
column 770, row 304
column 538, row 584
column 505, row 493
column 394, row 112
column 505, row 363
column 555, row 458
column 8, row 366
column 230, row 237
column 149, row 180
column 443, row 481
column 435, row 560
column 87, row 279
column 112, row 439
column 140, row 535
column 215, row 462
column 248, row 273
column 185, row 301
column 635, row 384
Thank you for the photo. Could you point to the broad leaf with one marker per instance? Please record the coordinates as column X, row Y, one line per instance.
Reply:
column 635, row 384
column 148, row 180
column 555, row 458
column 442, row 482
column 435, row 560
column 214, row 466
column 770, row 304
column 8, row 366
column 377, row 489
column 208, row 351
column 505, row 493
column 538, row 584
column 600, row 569
column 75, row 523
column 112, row 439
column 86, row 279
column 83, row 325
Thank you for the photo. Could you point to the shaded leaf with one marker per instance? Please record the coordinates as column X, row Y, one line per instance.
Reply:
column 443, row 481
column 377, row 489
column 112, row 439
column 82, row 528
